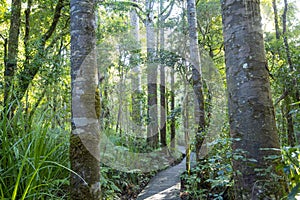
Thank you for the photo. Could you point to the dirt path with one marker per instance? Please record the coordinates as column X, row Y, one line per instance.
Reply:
column 166, row 184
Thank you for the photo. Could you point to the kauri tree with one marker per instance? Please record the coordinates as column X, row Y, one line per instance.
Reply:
column 84, row 140
column 251, row 111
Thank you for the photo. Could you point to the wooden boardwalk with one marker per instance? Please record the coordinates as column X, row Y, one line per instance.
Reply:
column 166, row 184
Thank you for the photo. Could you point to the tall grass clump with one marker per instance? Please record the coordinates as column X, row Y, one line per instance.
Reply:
column 33, row 157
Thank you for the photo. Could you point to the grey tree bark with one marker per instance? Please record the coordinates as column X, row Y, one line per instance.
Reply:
column 152, row 129
column 274, row 5
column 172, row 108
column 12, row 51
column 136, row 71
column 84, row 140
column 196, row 75
column 162, row 88
column 251, row 111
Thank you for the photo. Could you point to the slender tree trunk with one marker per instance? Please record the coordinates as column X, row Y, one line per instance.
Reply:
column 285, row 39
column 163, row 117
column 136, row 73
column 293, row 94
column 186, row 127
column 152, row 129
column 296, row 93
column 27, row 50
column 290, row 124
column 84, row 140
column 196, row 75
column 29, row 71
column 172, row 108
column 27, row 33
column 251, row 111
column 12, row 52
column 274, row 4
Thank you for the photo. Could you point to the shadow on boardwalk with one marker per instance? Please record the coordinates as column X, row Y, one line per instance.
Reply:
column 166, row 184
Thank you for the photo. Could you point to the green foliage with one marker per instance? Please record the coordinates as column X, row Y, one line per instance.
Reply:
column 291, row 167
column 116, row 183
column 32, row 159
column 215, row 172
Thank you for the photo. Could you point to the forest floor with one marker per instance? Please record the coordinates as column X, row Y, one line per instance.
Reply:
column 165, row 185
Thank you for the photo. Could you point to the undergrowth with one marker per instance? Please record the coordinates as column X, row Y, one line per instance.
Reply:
column 34, row 158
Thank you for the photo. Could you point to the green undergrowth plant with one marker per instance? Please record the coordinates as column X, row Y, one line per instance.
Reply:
column 291, row 167
column 33, row 158
column 125, row 185
column 126, row 180
column 215, row 170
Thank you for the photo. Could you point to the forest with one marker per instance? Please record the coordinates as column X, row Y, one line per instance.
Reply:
column 149, row 99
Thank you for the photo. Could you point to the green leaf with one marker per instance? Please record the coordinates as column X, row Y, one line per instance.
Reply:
column 294, row 192
column 296, row 103
column 252, row 160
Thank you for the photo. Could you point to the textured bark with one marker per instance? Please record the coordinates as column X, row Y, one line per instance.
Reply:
column 285, row 38
column 274, row 5
column 136, row 75
column 152, row 129
column 290, row 124
column 12, row 50
column 84, row 140
column 173, row 119
column 163, row 117
column 186, row 126
column 251, row 111
column 27, row 33
column 196, row 75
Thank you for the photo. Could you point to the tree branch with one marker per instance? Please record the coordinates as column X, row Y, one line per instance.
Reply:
column 57, row 12
column 284, row 94
column 125, row 3
column 164, row 17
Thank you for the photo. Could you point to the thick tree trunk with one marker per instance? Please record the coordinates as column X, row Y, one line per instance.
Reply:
column 251, row 112
column 196, row 75
column 84, row 140
column 12, row 52
column 152, row 129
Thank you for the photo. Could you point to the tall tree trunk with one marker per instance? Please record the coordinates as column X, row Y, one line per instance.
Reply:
column 291, row 93
column 290, row 124
column 136, row 73
column 186, row 126
column 27, row 33
column 163, row 117
column 274, row 5
column 196, row 75
column 173, row 119
column 295, row 93
column 12, row 52
column 84, row 140
column 26, row 47
column 152, row 129
column 251, row 111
